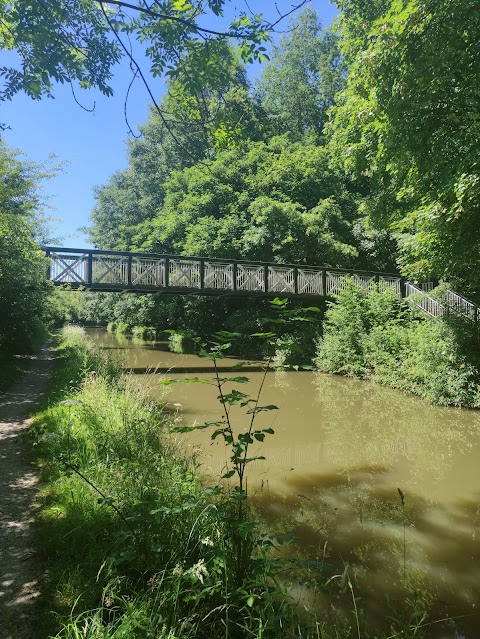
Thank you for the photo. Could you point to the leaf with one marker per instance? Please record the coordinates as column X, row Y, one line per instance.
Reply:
column 230, row 473
column 233, row 399
column 261, row 409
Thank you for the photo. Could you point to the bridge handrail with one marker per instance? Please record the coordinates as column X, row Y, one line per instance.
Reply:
column 462, row 304
column 220, row 260
column 424, row 302
column 434, row 308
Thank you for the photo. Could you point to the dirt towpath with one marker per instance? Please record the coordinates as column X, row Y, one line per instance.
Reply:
column 19, row 573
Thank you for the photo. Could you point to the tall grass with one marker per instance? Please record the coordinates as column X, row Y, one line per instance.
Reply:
column 136, row 545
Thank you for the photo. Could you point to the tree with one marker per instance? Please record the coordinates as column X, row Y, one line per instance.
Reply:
column 274, row 201
column 23, row 267
column 80, row 41
column 299, row 83
column 409, row 122
column 221, row 115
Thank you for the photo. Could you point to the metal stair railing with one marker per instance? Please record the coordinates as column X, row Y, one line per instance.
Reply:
column 452, row 303
column 422, row 301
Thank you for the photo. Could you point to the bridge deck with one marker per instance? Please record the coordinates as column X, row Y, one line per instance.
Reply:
column 97, row 270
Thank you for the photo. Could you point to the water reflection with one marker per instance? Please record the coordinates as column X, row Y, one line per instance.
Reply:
column 348, row 519
column 341, row 450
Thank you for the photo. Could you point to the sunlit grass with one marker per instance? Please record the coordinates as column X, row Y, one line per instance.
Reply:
column 135, row 544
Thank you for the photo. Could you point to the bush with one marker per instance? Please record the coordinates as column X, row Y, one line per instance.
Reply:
column 112, row 327
column 371, row 334
column 24, row 290
column 144, row 332
column 181, row 343
column 296, row 349
column 123, row 328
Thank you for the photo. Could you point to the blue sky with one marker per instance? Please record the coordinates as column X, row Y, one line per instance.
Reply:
column 92, row 145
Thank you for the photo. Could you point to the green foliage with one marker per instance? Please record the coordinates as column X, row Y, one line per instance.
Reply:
column 85, row 40
column 32, row 29
column 242, row 531
column 275, row 201
column 406, row 122
column 181, row 343
column 299, row 83
column 218, row 115
column 11, row 368
column 24, row 292
column 298, row 349
column 144, row 332
column 122, row 328
column 370, row 334
column 136, row 546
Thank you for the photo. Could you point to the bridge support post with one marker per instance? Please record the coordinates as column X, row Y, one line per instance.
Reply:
column 167, row 272
column 295, row 280
column 403, row 288
column 235, row 271
column 129, row 270
column 265, row 279
column 90, row 268
column 202, row 274
column 324, row 282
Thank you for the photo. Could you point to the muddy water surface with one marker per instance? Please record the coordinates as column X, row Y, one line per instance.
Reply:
column 341, row 451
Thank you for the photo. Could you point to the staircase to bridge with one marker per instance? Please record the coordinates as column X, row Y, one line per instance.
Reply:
column 116, row 271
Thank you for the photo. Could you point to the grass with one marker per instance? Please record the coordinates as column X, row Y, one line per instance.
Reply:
column 136, row 546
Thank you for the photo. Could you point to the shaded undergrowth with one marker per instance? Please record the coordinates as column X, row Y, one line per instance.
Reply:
column 13, row 363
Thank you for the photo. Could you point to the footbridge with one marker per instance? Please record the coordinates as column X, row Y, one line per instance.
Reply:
column 97, row 270
column 116, row 271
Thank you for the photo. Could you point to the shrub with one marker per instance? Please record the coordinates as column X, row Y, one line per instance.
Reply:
column 122, row 328
column 144, row 332
column 181, row 343
column 371, row 334
column 112, row 327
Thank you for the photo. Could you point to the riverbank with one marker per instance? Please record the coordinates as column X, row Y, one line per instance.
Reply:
column 136, row 545
column 342, row 447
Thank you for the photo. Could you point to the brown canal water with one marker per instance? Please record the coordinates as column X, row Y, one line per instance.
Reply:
column 341, row 451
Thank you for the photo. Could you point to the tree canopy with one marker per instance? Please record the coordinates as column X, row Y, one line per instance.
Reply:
column 80, row 41
column 23, row 267
column 408, row 122
column 299, row 83
column 235, row 188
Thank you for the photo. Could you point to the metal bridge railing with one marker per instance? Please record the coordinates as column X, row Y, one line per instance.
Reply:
column 119, row 270
column 100, row 270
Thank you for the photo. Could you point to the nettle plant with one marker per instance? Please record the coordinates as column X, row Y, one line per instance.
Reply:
column 241, row 529
column 240, row 441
